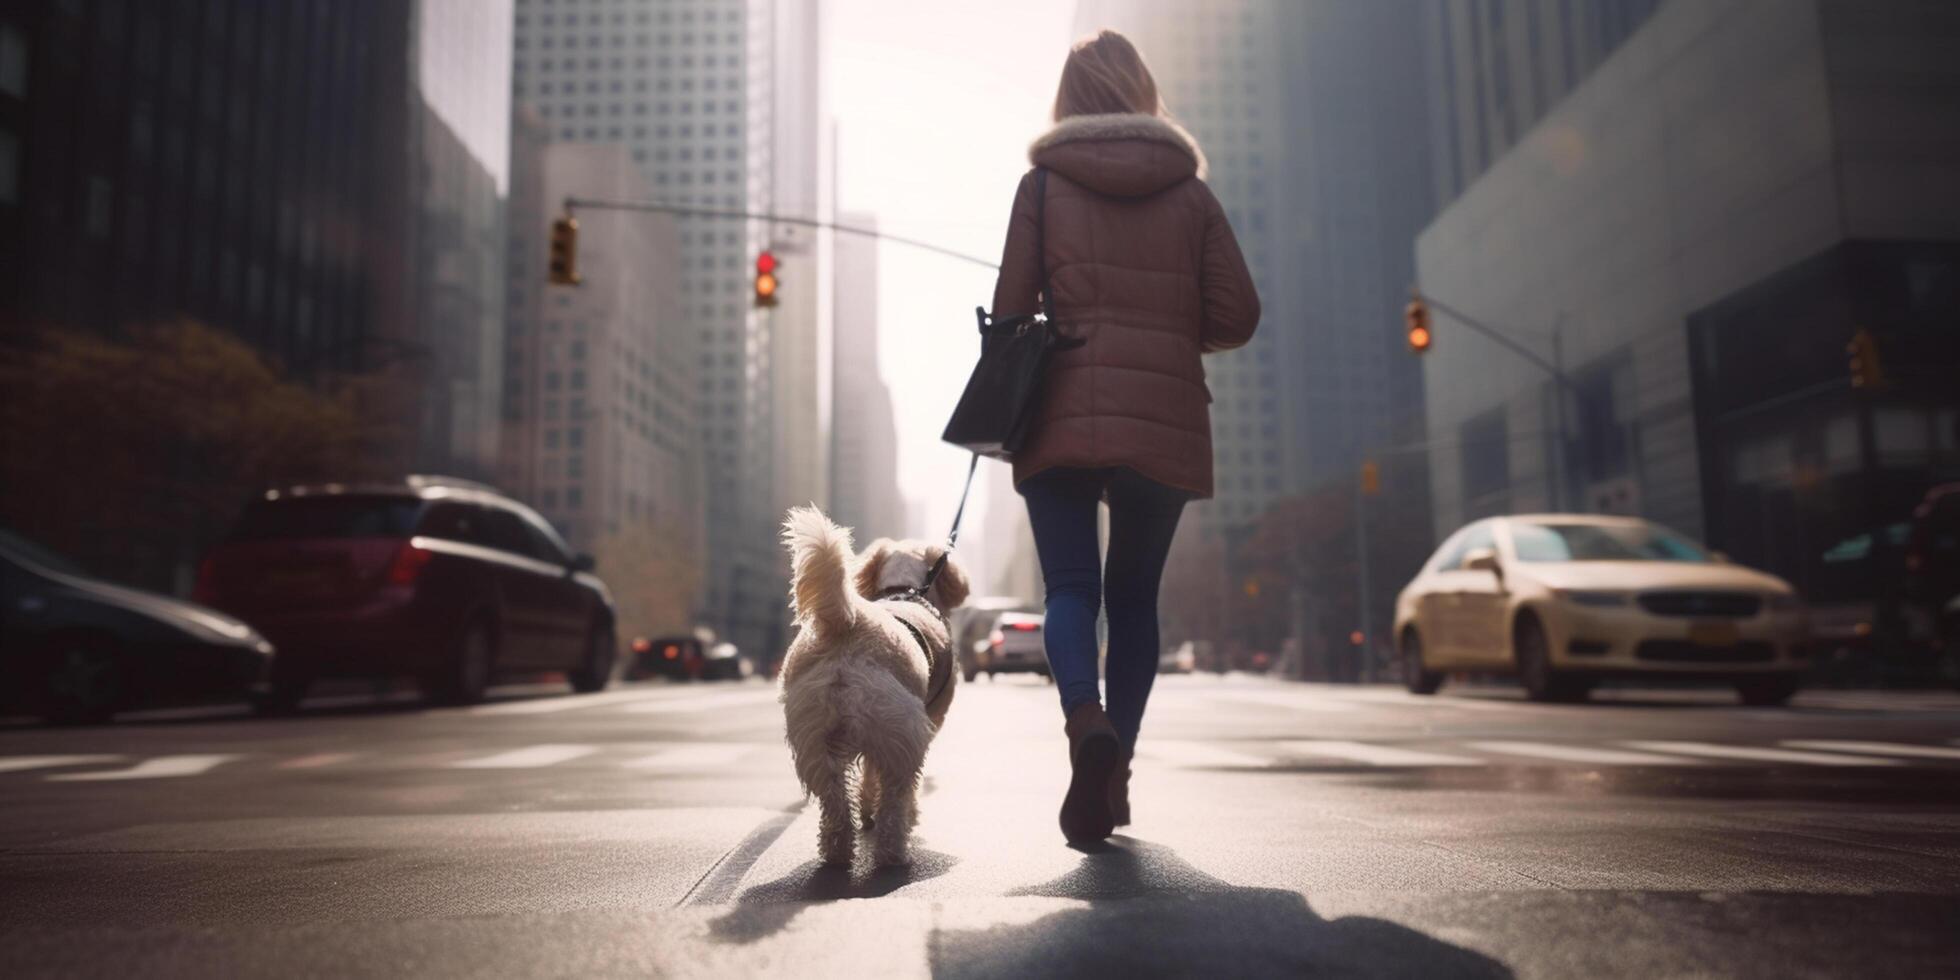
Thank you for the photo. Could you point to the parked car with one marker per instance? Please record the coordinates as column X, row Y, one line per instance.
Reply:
column 678, row 658
column 727, row 663
column 1181, row 659
column 1563, row 600
column 451, row 582
column 75, row 648
column 1014, row 646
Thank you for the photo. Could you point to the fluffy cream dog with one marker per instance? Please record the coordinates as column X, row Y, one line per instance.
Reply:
column 868, row 679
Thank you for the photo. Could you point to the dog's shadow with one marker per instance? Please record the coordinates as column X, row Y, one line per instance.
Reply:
column 765, row 909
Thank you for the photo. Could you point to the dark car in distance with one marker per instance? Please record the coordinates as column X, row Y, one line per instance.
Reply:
column 449, row 582
column 74, row 648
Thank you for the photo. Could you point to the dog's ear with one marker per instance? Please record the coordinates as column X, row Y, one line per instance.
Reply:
column 950, row 589
column 871, row 566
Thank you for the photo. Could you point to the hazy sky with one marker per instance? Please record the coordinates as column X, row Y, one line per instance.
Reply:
column 936, row 101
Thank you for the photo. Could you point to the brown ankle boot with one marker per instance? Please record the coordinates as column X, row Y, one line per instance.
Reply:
column 1119, row 789
column 1092, row 753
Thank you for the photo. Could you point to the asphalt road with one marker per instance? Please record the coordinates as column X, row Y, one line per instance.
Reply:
column 1282, row 830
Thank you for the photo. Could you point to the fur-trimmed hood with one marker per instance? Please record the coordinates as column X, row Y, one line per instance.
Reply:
column 1121, row 154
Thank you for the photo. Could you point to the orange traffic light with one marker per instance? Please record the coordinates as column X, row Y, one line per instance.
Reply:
column 1866, row 371
column 564, row 252
column 765, row 279
column 1416, row 317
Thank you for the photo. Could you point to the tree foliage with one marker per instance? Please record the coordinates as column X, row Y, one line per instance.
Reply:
column 132, row 452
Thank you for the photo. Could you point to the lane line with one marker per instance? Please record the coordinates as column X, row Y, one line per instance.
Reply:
column 161, row 767
column 699, row 755
column 569, row 702
column 1901, row 749
column 1196, row 755
column 16, row 763
column 1575, row 753
column 728, row 699
column 1301, row 701
column 317, row 760
column 529, row 757
column 1752, row 753
column 1373, row 755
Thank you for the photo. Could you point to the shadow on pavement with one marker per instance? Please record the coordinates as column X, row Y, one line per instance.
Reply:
column 1150, row 913
column 767, row 908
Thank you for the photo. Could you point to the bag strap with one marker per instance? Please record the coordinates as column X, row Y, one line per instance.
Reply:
column 1041, row 240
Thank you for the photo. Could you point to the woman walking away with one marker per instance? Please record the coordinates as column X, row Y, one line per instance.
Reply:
column 1146, row 272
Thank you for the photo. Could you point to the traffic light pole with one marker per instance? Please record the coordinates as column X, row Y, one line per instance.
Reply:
column 685, row 211
column 1554, row 368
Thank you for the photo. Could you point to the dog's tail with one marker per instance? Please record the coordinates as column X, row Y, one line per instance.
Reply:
column 820, row 566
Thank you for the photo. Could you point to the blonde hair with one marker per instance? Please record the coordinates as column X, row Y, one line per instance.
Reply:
column 1105, row 74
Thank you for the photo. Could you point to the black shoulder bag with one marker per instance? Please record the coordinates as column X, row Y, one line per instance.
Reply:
column 1003, row 396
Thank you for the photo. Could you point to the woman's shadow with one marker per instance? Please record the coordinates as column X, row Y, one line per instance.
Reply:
column 1151, row 914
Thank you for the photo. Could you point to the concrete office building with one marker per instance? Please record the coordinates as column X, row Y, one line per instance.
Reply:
column 1706, row 220
column 864, row 492
column 603, row 434
column 692, row 89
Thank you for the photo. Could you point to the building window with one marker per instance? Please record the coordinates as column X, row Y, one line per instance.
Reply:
column 578, row 380
column 9, row 167
column 574, row 498
column 13, row 62
column 551, row 438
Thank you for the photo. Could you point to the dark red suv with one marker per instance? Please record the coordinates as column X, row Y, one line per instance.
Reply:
column 450, row 582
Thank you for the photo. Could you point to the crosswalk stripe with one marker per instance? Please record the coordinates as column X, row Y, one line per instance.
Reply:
column 1373, row 755
column 714, row 702
column 700, row 755
column 1874, row 748
column 1198, row 756
column 529, row 757
column 1753, row 753
column 1300, row 701
column 161, row 767
column 1575, row 753
column 569, row 702
column 318, row 759
column 16, row 763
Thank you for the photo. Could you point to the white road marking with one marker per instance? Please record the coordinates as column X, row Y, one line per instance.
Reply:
column 161, row 767
column 317, row 760
column 1296, row 701
column 1407, row 700
column 1198, row 755
column 15, row 763
column 569, row 702
column 1576, row 753
column 1373, row 755
column 707, row 702
column 698, row 755
column 1756, row 754
column 1874, row 748
column 530, row 757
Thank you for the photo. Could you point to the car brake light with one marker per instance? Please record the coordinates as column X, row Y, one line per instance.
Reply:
column 670, row 652
column 640, row 644
column 206, row 589
column 408, row 564
column 1024, row 627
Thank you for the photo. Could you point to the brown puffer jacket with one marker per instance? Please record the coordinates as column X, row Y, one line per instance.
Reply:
column 1146, row 271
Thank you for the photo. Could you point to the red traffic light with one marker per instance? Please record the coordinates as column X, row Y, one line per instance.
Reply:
column 765, row 263
column 1415, row 317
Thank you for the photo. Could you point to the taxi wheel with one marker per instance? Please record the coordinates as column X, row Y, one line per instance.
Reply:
column 464, row 677
column 1535, row 671
column 1414, row 677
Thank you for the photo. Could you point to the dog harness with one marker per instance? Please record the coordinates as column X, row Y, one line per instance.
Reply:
column 906, row 593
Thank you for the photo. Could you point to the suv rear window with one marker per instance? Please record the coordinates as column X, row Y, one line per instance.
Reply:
column 327, row 517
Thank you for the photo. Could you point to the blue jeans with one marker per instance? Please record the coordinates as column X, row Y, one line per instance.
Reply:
column 1142, row 519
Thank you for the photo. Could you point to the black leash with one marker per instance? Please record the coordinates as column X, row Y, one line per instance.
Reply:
column 953, row 536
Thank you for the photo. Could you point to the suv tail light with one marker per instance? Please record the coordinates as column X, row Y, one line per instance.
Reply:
column 1024, row 627
column 206, row 589
column 407, row 565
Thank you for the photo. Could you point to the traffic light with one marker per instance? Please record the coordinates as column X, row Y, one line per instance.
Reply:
column 765, row 280
column 1866, row 371
column 1371, row 478
column 1416, row 317
column 564, row 252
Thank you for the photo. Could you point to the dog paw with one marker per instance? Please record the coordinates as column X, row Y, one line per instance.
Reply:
column 887, row 855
